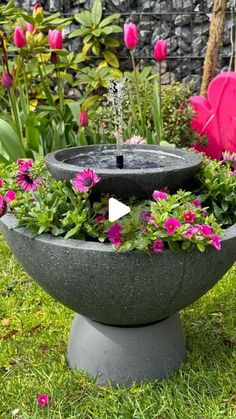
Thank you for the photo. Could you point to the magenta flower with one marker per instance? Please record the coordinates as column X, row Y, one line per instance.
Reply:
column 83, row 118
column 130, row 35
column 197, row 203
column 216, row 241
column 189, row 233
column 146, row 216
column 206, row 230
column 3, row 206
column 157, row 246
column 100, row 218
column 55, row 39
column 84, row 181
column 25, row 179
column 1, row 182
column 114, row 234
column 189, row 217
column 43, row 399
column 29, row 27
column 7, row 80
column 159, row 195
column 171, row 225
column 160, row 50
column 19, row 37
column 10, row 196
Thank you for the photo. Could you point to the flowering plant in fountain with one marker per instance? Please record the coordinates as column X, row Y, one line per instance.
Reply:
column 45, row 205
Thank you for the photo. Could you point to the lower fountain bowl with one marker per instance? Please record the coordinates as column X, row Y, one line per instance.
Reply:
column 146, row 168
column 118, row 288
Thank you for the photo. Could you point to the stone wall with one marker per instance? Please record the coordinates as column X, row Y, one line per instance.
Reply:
column 184, row 23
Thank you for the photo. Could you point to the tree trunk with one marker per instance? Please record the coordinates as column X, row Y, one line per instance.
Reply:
column 214, row 43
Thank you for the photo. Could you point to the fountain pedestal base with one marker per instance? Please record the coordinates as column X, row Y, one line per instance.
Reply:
column 123, row 355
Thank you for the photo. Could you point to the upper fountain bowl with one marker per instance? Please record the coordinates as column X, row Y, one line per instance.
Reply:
column 146, row 168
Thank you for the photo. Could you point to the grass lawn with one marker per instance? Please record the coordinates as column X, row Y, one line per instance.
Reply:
column 34, row 330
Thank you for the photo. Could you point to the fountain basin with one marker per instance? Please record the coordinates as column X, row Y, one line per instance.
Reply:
column 118, row 288
column 146, row 167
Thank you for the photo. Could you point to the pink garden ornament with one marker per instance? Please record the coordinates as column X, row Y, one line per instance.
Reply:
column 216, row 116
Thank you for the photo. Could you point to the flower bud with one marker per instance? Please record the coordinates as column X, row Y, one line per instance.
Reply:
column 83, row 118
column 55, row 39
column 130, row 35
column 54, row 58
column 19, row 37
column 30, row 39
column 7, row 80
column 39, row 39
column 160, row 50
column 29, row 27
column 38, row 11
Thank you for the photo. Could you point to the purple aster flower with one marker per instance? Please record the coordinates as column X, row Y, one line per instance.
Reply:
column 84, row 181
column 25, row 178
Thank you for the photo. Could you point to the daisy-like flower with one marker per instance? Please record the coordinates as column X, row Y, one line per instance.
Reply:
column 114, row 234
column 206, row 230
column 3, row 206
column 136, row 139
column 43, row 399
column 189, row 217
column 231, row 157
column 157, row 246
column 25, row 178
column 84, row 181
column 159, row 195
column 10, row 196
column 171, row 225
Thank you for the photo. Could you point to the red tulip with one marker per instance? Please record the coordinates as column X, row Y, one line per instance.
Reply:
column 55, row 39
column 19, row 37
column 83, row 118
column 160, row 50
column 7, row 80
column 130, row 35
column 37, row 5
column 29, row 27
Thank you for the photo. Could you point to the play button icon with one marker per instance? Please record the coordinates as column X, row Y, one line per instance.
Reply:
column 116, row 209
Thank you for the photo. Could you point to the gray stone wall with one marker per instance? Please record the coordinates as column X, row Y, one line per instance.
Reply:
column 184, row 23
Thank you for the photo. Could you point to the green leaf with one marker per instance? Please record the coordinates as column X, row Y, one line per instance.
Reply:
column 111, row 59
column 110, row 42
column 85, row 18
column 80, row 32
column 10, row 141
column 97, row 32
column 109, row 19
column 90, row 101
column 97, row 12
column 32, row 133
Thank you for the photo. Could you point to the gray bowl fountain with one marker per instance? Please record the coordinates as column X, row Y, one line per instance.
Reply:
column 127, row 327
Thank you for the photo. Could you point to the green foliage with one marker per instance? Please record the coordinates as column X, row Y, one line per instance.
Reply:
column 218, row 190
column 99, row 35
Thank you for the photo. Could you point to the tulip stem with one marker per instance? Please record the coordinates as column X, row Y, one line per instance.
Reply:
column 137, row 90
column 60, row 87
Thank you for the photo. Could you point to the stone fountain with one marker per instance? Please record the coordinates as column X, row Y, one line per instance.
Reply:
column 127, row 327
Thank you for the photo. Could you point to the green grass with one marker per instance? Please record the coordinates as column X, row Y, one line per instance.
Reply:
column 34, row 331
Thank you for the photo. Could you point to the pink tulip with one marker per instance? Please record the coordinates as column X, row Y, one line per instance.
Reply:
column 37, row 6
column 7, row 80
column 55, row 39
column 19, row 37
column 160, row 50
column 130, row 35
column 83, row 119
column 29, row 27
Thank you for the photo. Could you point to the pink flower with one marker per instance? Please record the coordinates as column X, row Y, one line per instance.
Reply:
column 160, row 50
column 189, row 233
column 189, row 217
column 114, row 234
column 232, row 173
column 146, row 216
column 24, row 165
column 130, row 35
column 3, row 206
column 136, row 139
column 100, row 218
column 37, row 6
column 205, row 230
column 55, row 39
column 1, row 182
column 25, row 179
column 29, row 27
column 10, row 196
column 7, row 80
column 85, row 180
column 19, row 37
column 43, row 399
column 143, row 229
column 157, row 246
column 83, row 118
column 197, row 203
column 171, row 225
column 38, row 10
column 216, row 241
column 159, row 195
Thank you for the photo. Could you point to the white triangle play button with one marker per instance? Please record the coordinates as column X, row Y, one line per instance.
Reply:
column 116, row 209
